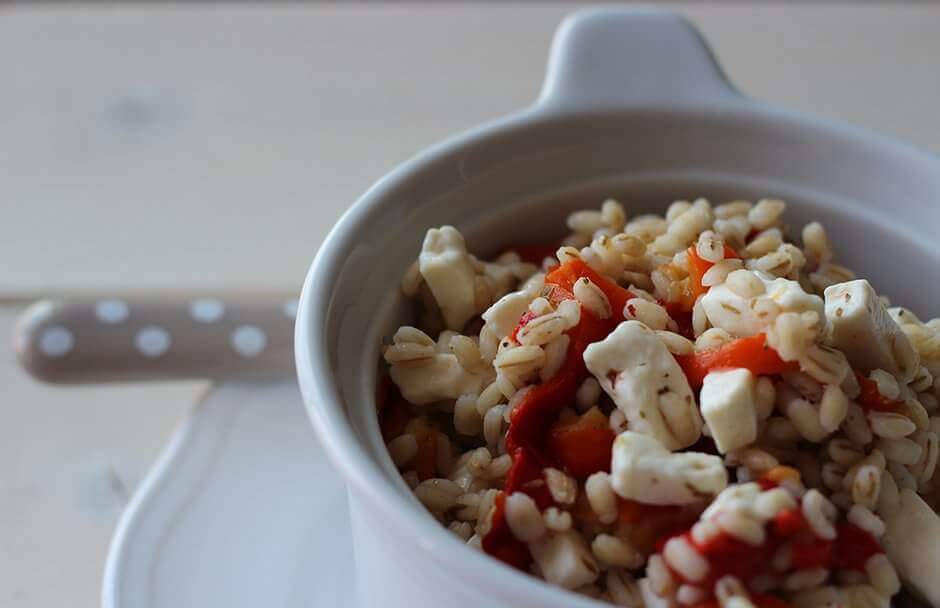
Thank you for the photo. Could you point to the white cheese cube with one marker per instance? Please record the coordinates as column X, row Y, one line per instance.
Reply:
column 441, row 377
column 912, row 542
column 861, row 327
column 727, row 402
column 565, row 559
column 642, row 377
column 642, row 469
column 446, row 268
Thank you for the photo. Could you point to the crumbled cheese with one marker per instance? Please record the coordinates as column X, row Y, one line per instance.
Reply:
column 738, row 497
column 642, row 377
column 742, row 316
column 727, row 402
column 565, row 559
column 503, row 316
column 435, row 379
column 448, row 271
column 862, row 328
column 642, row 469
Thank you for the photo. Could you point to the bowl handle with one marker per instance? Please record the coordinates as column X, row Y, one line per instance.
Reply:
column 610, row 58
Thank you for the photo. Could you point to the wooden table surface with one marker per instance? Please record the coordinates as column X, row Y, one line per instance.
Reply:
column 209, row 148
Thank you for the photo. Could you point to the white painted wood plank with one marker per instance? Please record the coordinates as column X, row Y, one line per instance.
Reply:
column 181, row 147
column 207, row 146
column 69, row 460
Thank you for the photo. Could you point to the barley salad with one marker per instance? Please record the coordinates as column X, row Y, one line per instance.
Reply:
column 689, row 410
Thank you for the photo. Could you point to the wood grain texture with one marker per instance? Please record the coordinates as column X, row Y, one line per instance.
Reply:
column 69, row 460
column 211, row 147
column 207, row 147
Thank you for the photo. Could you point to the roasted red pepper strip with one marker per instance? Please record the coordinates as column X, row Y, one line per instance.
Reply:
column 787, row 523
column 727, row 555
column 781, row 473
column 766, row 484
column 500, row 542
column 815, row 554
column 528, row 316
column 853, row 547
column 763, row 600
column 533, row 417
column 697, row 267
column 682, row 317
column 582, row 446
column 567, row 274
column 643, row 525
column 556, row 294
column 869, row 398
column 535, row 253
column 528, row 437
column 525, row 475
column 525, row 441
column 712, row 603
column 751, row 353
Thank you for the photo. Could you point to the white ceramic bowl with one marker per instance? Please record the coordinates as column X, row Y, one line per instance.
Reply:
column 635, row 107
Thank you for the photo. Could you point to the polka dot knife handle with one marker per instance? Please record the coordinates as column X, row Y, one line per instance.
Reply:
column 78, row 341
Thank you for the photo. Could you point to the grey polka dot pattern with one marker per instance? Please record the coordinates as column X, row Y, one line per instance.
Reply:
column 248, row 340
column 56, row 341
column 152, row 341
column 207, row 310
column 112, row 312
column 154, row 338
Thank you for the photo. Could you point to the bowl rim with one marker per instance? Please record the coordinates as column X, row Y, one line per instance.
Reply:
column 319, row 385
column 322, row 397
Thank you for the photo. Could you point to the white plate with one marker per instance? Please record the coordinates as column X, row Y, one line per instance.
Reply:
column 241, row 509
